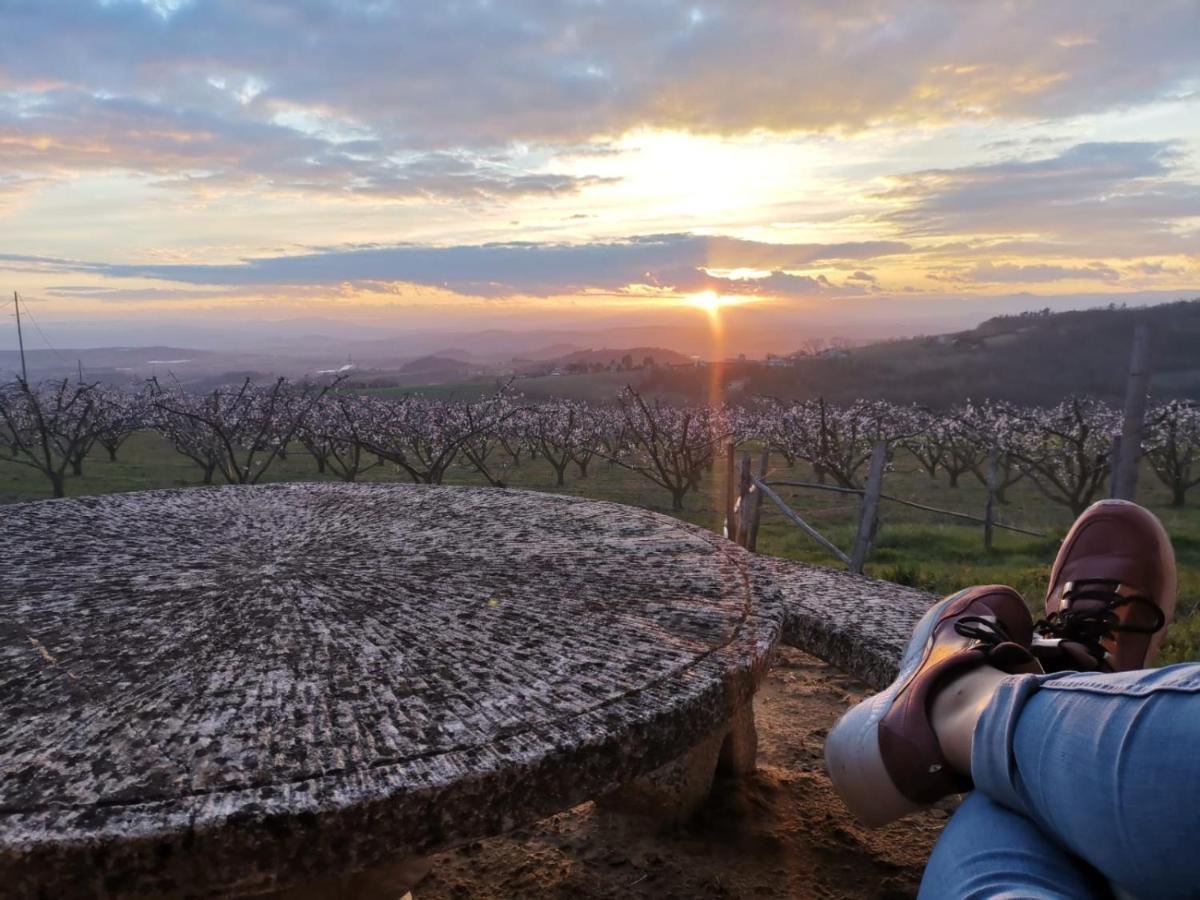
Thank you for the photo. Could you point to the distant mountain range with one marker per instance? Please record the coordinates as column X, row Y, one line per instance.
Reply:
column 1032, row 357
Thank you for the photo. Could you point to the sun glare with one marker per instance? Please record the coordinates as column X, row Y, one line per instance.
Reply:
column 709, row 301
column 712, row 302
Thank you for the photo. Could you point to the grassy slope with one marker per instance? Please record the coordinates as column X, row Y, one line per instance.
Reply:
column 593, row 387
column 914, row 547
column 1031, row 360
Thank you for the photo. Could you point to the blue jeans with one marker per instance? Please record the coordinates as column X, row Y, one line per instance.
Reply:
column 1081, row 781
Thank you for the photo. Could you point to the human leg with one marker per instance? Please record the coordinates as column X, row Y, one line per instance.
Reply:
column 987, row 851
column 1107, row 764
column 884, row 756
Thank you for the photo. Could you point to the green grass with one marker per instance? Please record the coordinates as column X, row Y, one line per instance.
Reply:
column 914, row 547
column 590, row 387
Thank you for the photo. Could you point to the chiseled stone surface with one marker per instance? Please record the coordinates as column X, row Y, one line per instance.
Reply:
column 225, row 690
column 860, row 625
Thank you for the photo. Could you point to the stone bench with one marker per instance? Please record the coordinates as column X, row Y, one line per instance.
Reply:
column 857, row 624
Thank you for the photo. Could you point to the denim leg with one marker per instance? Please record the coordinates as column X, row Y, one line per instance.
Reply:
column 988, row 852
column 1108, row 765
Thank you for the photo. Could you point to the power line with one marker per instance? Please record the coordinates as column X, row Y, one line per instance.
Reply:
column 62, row 359
column 20, row 337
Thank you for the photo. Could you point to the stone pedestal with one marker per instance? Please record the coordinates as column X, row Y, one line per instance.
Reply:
column 739, row 751
column 670, row 795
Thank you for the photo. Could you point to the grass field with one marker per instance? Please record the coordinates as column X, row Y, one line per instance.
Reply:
column 914, row 547
column 592, row 387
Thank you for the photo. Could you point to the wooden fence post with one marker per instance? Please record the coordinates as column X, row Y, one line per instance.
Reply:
column 743, row 519
column 989, row 514
column 804, row 526
column 1114, row 463
column 1136, row 388
column 756, row 505
column 869, row 513
column 730, row 494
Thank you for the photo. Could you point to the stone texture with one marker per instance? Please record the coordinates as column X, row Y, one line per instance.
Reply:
column 671, row 794
column 859, row 625
column 241, row 689
column 739, row 752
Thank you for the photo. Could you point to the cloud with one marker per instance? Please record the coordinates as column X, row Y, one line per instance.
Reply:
column 1004, row 273
column 125, row 294
column 449, row 75
column 72, row 131
column 474, row 105
column 1121, row 188
column 669, row 261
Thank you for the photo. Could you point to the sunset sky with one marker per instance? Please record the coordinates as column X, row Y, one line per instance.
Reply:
column 437, row 163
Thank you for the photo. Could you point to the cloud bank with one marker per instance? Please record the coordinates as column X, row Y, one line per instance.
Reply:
column 428, row 100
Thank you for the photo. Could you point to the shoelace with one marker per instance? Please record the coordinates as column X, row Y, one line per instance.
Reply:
column 1091, row 625
column 986, row 631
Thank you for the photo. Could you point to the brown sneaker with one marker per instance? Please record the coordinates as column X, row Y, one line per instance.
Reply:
column 1112, row 591
column 883, row 757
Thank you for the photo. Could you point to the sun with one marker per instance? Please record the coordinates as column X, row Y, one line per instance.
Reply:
column 709, row 301
column 713, row 303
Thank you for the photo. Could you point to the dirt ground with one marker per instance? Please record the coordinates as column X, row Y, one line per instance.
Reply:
column 780, row 833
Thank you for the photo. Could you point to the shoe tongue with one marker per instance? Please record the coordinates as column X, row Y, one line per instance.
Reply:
column 1079, row 605
column 1013, row 659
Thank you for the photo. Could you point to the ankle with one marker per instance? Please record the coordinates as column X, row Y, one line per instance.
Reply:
column 957, row 708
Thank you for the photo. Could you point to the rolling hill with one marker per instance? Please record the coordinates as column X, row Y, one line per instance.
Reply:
column 1035, row 358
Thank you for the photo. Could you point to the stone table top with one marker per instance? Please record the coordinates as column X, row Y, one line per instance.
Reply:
column 236, row 689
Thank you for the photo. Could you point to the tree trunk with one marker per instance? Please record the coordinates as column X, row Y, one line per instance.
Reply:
column 558, row 474
column 208, row 473
column 1178, row 495
column 76, row 466
column 112, row 454
column 56, row 484
column 953, row 477
column 583, row 467
column 677, row 498
column 320, row 465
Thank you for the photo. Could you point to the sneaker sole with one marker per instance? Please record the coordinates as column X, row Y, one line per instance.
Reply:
column 852, row 755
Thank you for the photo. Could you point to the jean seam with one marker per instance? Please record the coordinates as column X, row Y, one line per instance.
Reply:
column 1116, row 691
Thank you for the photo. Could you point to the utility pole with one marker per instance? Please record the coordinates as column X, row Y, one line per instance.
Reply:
column 20, row 338
column 868, row 516
column 993, row 479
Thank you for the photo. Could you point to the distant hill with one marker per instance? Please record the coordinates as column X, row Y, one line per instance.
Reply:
column 436, row 370
column 639, row 355
column 1032, row 358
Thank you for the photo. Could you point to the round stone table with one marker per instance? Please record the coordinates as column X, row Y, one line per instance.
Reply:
column 305, row 689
